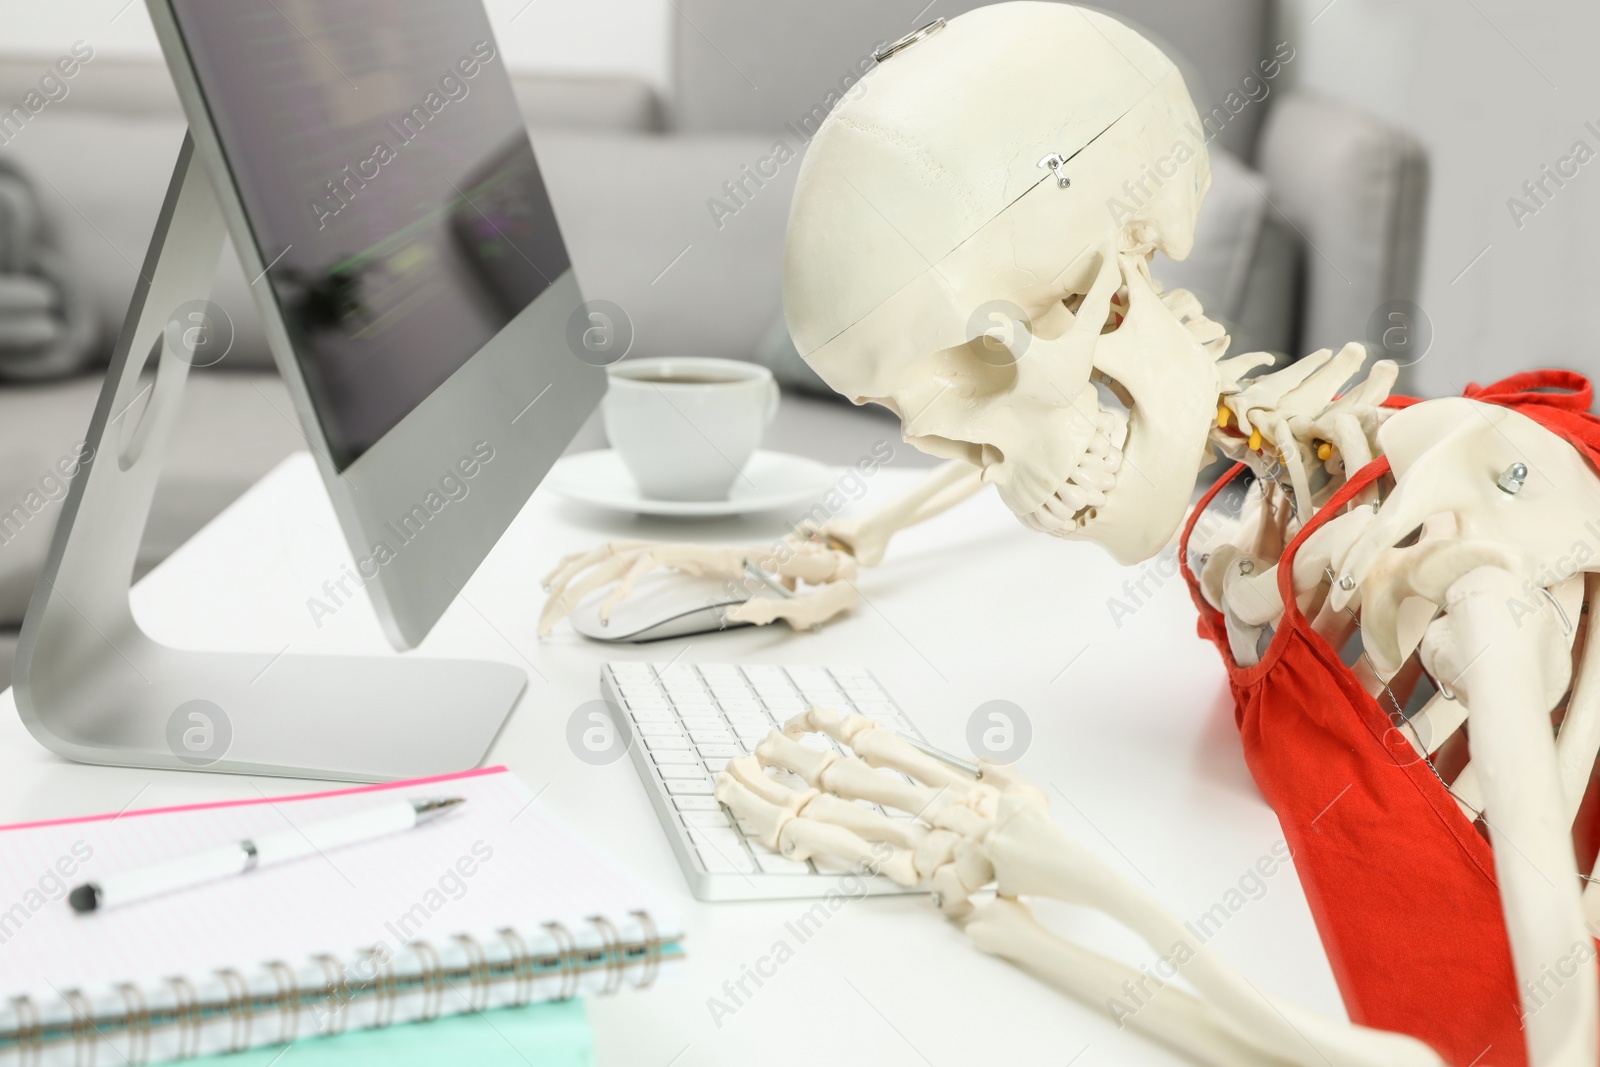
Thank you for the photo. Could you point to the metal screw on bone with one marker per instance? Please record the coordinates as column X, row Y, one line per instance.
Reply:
column 1057, row 164
column 1347, row 583
column 922, row 33
column 1511, row 479
column 1246, row 566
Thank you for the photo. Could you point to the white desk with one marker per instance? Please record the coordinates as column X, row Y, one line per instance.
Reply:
column 1133, row 738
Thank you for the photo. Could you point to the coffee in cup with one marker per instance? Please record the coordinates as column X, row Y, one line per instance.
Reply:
column 686, row 426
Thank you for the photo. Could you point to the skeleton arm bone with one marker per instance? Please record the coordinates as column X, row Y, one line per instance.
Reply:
column 868, row 537
column 825, row 557
column 1523, row 799
column 1505, row 654
column 970, row 832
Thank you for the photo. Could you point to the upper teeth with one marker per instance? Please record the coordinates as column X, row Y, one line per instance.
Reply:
column 1085, row 486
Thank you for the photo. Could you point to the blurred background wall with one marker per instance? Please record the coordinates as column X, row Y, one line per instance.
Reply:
column 1496, row 89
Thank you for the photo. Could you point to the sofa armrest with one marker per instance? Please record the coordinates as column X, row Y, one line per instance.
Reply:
column 1355, row 190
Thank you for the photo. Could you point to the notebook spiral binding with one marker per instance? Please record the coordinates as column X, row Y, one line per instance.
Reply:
column 189, row 1012
column 239, row 1008
column 189, row 1019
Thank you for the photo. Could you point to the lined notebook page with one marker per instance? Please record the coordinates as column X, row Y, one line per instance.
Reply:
column 498, row 860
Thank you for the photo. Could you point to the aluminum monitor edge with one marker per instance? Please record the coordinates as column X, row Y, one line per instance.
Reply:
column 483, row 407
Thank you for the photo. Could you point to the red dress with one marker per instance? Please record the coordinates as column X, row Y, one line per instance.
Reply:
column 1400, row 883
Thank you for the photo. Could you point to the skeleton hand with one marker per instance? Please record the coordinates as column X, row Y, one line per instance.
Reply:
column 793, row 560
column 822, row 555
column 958, row 835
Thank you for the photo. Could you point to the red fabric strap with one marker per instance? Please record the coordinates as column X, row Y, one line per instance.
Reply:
column 1400, row 883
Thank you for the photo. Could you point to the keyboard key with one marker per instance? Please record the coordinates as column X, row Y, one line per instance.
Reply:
column 631, row 668
column 715, row 819
column 703, row 722
column 872, row 709
column 772, row 863
column 731, row 863
column 697, row 711
column 695, row 719
column 674, row 680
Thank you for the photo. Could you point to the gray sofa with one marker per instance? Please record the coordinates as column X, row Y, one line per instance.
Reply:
column 1314, row 220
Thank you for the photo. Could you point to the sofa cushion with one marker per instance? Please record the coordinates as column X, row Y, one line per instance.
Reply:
column 585, row 102
column 652, row 226
column 1236, row 231
column 102, row 227
column 1355, row 188
column 628, row 204
column 48, row 328
column 142, row 88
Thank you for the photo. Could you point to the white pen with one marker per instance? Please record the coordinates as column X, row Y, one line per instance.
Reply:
column 249, row 855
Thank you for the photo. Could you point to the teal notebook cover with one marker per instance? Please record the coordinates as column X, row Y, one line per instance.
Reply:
column 556, row 1034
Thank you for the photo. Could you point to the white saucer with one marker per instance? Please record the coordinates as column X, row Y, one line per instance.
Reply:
column 771, row 480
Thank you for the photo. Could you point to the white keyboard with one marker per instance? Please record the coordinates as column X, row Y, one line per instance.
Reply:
column 689, row 719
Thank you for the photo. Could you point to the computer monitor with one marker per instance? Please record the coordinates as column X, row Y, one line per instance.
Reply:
column 369, row 160
column 378, row 180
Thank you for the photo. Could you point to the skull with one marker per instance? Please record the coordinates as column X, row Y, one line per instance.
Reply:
column 938, row 265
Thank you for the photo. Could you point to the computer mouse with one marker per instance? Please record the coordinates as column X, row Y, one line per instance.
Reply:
column 668, row 604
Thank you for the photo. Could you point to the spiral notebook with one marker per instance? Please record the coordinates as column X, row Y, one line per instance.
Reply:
column 496, row 904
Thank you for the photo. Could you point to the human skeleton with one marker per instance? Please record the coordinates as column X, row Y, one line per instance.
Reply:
column 919, row 202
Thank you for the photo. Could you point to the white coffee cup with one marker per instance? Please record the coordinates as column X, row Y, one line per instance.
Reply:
column 686, row 426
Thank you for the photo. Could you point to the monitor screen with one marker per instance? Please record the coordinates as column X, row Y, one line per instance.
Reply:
column 389, row 186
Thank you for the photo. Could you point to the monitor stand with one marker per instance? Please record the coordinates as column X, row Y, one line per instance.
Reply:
column 93, row 687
